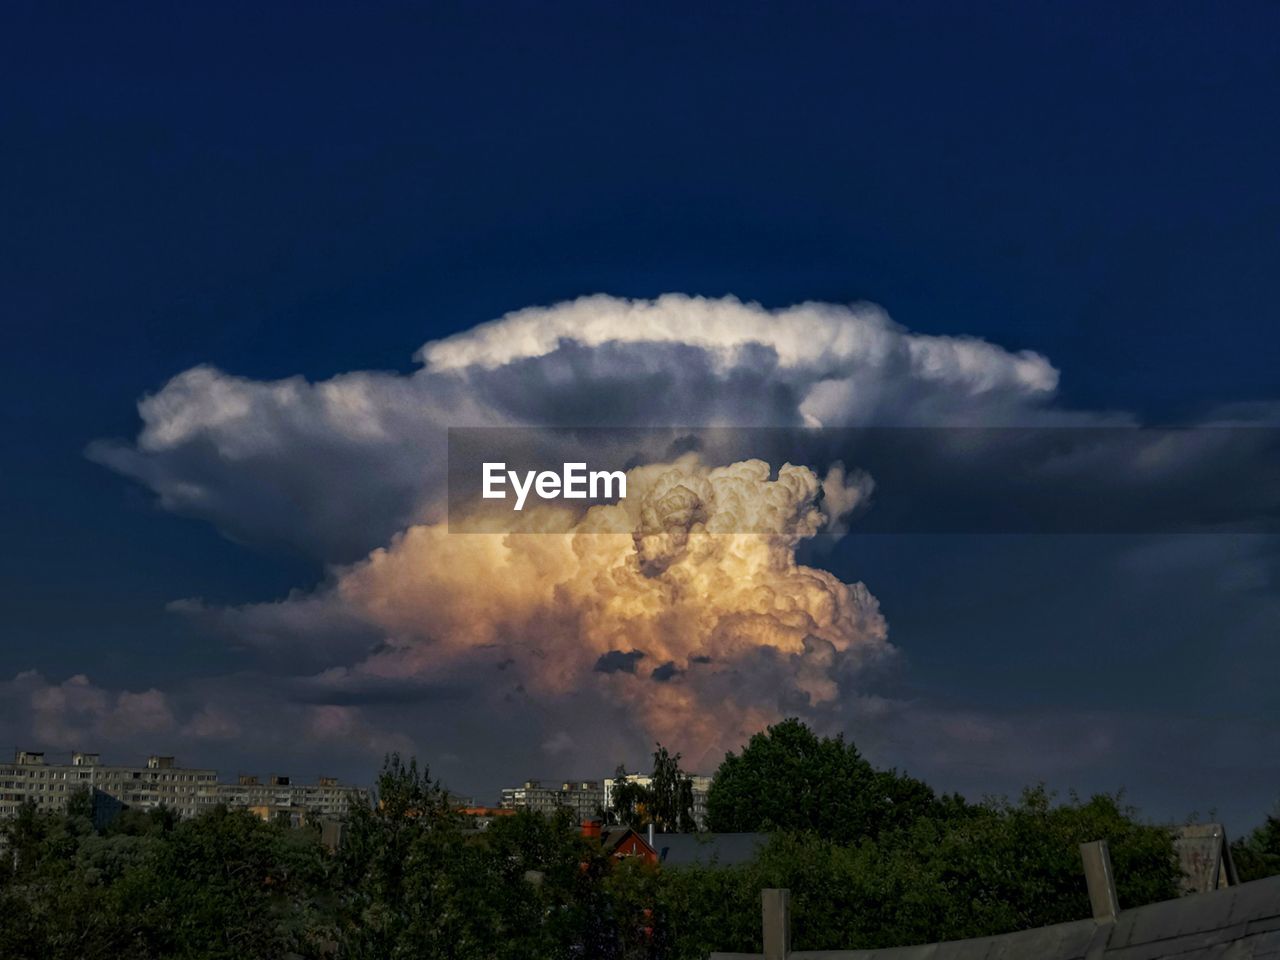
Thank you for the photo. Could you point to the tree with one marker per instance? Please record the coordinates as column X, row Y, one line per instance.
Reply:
column 974, row 871
column 411, row 882
column 1258, row 855
column 671, row 794
column 666, row 801
column 384, row 844
column 222, row 885
column 629, row 801
column 788, row 778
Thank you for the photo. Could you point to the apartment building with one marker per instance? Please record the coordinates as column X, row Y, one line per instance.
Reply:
column 159, row 783
column 325, row 798
column 32, row 777
column 585, row 798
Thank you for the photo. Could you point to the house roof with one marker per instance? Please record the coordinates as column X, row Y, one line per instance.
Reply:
column 613, row 837
column 708, row 849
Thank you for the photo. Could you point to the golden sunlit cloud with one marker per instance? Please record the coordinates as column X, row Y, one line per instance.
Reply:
column 655, row 601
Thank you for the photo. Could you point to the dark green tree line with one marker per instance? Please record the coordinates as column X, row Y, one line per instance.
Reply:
column 1258, row 855
column 891, row 863
column 788, row 778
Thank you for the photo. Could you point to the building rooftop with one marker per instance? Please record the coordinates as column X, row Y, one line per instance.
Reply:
column 708, row 849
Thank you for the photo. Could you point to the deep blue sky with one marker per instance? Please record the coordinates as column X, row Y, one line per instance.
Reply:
column 286, row 189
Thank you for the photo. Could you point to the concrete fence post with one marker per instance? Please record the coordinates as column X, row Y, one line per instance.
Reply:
column 1101, row 881
column 775, row 910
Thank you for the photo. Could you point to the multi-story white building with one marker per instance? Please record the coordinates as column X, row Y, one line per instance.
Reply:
column 324, row 798
column 30, row 778
column 162, row 783
column 584, row 797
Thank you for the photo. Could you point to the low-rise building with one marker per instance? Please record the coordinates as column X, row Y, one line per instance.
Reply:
column 620, row 843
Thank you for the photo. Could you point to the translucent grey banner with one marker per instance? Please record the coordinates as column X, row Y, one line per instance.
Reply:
column 1009, row 480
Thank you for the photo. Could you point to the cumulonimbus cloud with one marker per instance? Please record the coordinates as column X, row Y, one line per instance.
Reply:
column 701, row 634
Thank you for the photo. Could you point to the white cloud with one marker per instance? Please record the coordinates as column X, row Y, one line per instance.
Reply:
column 335, row 468
column 824, row 340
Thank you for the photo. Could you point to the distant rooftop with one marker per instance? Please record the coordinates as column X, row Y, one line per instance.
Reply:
column 156, row 761
column 708, row 849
